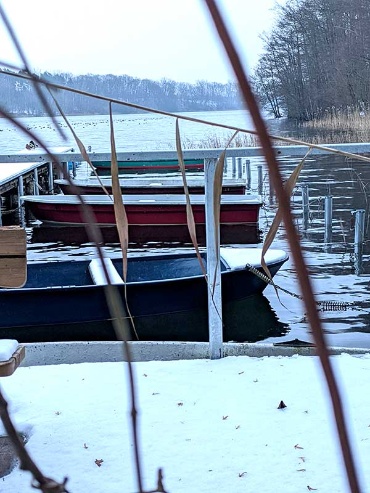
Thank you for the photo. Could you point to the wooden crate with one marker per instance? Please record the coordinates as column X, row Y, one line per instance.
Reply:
column 13, row 256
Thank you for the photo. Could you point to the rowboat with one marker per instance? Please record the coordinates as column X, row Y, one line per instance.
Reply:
column 156, row 185
column 161, row 165
column 166, row 293
column 154, row 217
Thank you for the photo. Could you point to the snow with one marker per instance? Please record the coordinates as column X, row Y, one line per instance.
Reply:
column 7, row 348
column 211, row 425
column 236, row 257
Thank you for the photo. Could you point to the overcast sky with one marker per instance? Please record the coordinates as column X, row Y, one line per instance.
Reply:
column 143, row 38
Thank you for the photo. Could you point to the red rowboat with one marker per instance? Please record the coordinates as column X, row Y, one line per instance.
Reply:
column 153, row 218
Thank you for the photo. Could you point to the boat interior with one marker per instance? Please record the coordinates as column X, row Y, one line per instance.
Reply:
column 140, row 269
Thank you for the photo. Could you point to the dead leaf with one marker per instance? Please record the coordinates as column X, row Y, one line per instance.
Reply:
column 282, row 405
column 298, row 446
column 224, row 417
column 311, row 489
column 99, row 462
column 241, row 474
column 85, row 446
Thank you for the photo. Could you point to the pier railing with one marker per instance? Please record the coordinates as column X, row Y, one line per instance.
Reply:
column 281, row 151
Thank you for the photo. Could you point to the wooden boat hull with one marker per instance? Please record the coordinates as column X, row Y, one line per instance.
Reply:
column 73, row 308
column 150, row 166
column 154, row 218
column 145, row 236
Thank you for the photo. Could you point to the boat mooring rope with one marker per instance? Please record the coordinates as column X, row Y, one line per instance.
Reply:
column 325, row 306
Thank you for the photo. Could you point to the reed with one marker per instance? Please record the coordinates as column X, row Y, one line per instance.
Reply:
column 216, row 141
column 337, row 127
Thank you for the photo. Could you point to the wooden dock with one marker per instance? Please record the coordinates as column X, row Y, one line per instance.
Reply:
column 17, row 179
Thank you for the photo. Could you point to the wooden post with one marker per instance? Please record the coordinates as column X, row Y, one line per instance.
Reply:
column 51, row 176
column 35, row 182
column 65, row 170
column 240, row 169
column 260, row 179
column 305, row 205
column 214, row 281
column 248, row 173
column 233, row 171
column 20, row 201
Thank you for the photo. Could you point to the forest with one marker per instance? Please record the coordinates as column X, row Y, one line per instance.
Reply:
column 316, row 59
column 20, row 98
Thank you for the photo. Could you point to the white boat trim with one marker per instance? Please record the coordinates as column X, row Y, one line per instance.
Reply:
column 137, row 199
column 237, row 258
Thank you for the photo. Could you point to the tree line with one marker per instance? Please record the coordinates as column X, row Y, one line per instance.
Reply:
column 316, row 59
column 20, row 99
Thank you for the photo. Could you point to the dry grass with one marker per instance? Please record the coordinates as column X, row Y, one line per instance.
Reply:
column 216, row 141
column 339, row 127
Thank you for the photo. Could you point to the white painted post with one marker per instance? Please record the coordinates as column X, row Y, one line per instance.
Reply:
column 214, row 282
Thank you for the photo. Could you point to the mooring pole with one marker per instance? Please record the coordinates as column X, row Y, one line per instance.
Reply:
column 233, row 171
column 20, row 201
column 260, row 179
column 35, row 182
column 359, row 239
column 213, row 267
column 248, row 173
column 51, row 177
column 240, row 169
column 328, row 235
column 305, row 205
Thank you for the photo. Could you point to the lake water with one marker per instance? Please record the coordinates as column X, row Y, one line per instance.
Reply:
column 334, row 269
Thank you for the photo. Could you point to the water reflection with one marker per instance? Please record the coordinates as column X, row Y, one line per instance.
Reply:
column 249, row 320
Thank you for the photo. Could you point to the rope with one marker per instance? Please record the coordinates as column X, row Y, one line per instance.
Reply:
column 324, row 305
